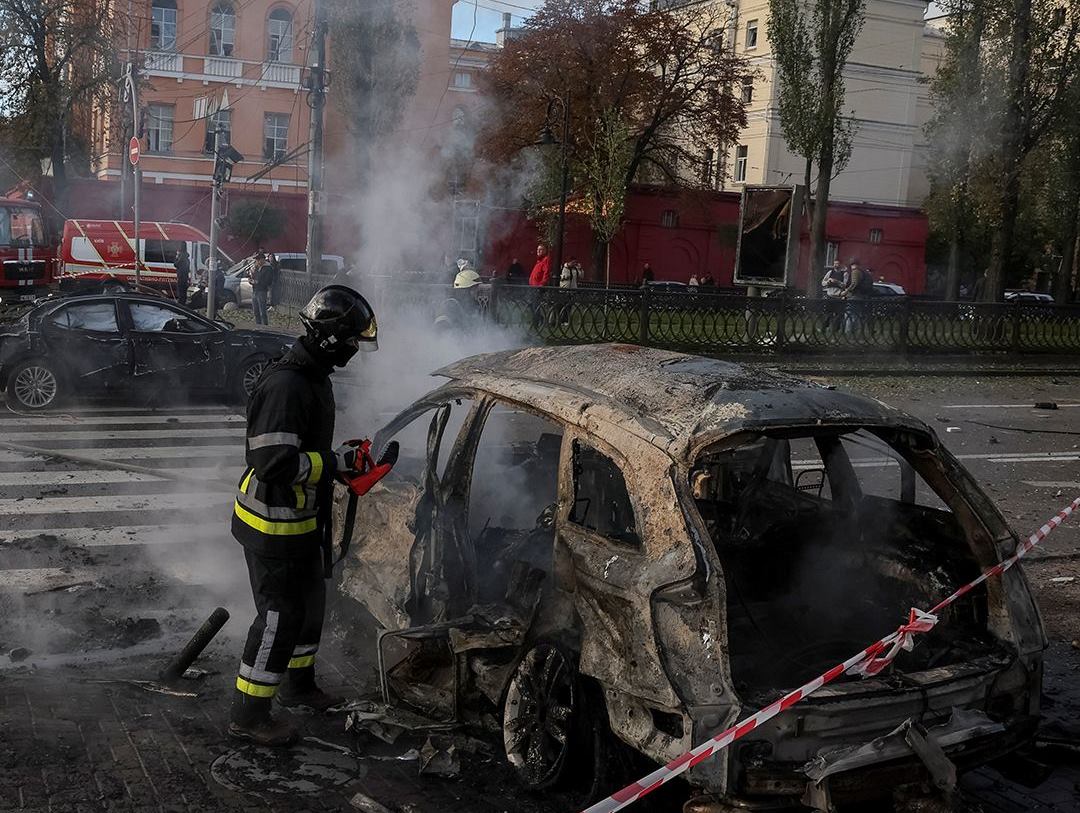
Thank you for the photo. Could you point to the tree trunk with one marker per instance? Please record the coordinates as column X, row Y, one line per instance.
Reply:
column 818, row 220
column 1063, row 287
column 599, row 253
column 1012, row 152
column 806, row 173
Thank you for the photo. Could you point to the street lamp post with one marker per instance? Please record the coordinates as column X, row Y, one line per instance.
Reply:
column 548, row 138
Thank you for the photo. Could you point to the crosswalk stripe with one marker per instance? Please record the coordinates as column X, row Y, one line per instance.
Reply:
column 116, row 535
column 41, row 578
column 56, row 477
column 146, row 452
column 196, row 501
column 60, row 424
column 78, row 434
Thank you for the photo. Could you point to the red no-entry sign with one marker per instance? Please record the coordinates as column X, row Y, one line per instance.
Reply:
column 133, row 150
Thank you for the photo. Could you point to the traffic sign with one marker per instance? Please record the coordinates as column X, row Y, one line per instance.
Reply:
column 133, row 151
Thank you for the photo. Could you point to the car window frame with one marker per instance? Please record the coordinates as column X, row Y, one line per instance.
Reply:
column 638, row 543
column 49, row 318
column 214, row 328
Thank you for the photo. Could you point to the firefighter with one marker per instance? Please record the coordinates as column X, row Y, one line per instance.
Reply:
column 282, row 512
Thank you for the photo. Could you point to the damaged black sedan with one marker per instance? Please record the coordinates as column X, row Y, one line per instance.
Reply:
column 592, row 545
column 130, row 344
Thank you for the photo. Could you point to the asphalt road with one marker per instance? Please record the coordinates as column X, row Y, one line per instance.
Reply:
column 104, row 573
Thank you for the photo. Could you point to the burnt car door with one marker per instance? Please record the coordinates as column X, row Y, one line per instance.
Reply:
column 175, row 347
column 407, row 564
column 86, row 339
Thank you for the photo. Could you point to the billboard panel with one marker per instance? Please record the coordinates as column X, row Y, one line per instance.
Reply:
column 769, row 226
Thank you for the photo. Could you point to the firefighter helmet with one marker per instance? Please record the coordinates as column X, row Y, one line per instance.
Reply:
column 340, row 322
column 466, row 278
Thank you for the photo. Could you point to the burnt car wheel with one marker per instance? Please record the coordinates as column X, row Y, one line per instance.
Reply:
column 248, row 374
column 540, row 716
column 34, row 385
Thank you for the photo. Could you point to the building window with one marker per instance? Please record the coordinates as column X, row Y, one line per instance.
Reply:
column 222, row 29
column 747, row 90
column 279, row 31
column 462, row 79
column 751, row 33
column 159, row 127
column 221, row 120
column 163, row 25
column 275, row 135
column 832, row 251
column 741, row 153
column 707, row 169
column 669, row 219
column 875, row 236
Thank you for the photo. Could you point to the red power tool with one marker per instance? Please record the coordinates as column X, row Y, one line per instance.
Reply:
column 367, row 472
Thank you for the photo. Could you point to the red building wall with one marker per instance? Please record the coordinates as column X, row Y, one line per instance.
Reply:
column 680, row 235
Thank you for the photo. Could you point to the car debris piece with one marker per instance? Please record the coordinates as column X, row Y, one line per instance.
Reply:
column 387, row 723
column 951, row 429
column 19, row 654
column 1046, row 405
column 59, row 587
column 366, row 804
column 199, row 641
column 1063, row 580
column 439, row 757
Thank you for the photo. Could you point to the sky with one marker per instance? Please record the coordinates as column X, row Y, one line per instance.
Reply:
column 488, row 17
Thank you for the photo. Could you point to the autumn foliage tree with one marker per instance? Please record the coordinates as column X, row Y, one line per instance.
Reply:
column 663, row 75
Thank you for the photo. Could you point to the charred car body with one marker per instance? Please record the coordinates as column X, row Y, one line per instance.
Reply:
column 583, row 541
column 127, row 343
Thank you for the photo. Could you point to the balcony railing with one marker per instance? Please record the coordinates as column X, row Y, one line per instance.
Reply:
column 281, row 72
column 164, row 62
column 223, row 67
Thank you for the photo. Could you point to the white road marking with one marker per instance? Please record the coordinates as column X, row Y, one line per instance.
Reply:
column 1052, row 483
column 41, row 578
column 126, row 453
column 1006, row 406
column 129, row 534
column 61, row 477
column 195, row 501
column 61, row 424
column 78, row 434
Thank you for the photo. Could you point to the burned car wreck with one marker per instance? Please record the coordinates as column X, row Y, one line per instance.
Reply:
column 610, row 543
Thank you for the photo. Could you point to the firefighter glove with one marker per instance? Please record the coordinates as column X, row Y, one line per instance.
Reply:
column 348, row 455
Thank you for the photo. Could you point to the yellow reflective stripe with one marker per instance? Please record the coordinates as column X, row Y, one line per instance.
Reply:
column 247, row 480
column 316, row 467
column 273, row 528
column 301, row 662
column 254, row 689
column 301, row 496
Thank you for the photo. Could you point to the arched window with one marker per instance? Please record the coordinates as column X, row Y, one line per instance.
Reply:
column 163, row 25
column 279, row 33
column 222, row 29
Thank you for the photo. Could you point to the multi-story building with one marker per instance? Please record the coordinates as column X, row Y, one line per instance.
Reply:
column 232, row 64
column 885, row 97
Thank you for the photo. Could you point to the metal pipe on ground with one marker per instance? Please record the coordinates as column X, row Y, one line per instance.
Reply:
column 203, row 636
column 111, row 464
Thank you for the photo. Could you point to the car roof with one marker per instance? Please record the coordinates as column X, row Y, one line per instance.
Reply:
column 675, row 401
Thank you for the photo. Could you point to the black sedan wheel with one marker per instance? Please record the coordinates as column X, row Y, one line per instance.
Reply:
column 539, row 716
column 34, row 385
column 247, row 376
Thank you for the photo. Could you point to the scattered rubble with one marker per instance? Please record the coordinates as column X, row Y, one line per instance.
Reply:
column 19, row 654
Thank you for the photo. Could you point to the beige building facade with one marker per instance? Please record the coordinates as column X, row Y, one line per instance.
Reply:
column 885, row 96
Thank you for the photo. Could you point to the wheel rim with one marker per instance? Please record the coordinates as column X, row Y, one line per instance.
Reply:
column 539, row 712
column 251, row 376
column 35, row 386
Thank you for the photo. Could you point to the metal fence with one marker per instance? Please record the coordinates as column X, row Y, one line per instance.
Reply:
column 725, row 322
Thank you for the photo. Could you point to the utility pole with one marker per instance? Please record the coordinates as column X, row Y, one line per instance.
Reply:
column 131, row 90
column 123, row 164
column 316, row 86
column 215, row 204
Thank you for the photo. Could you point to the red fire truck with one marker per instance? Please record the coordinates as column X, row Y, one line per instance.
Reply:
column 99, row 252
column 25, row 251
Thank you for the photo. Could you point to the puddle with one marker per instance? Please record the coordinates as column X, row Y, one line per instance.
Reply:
column 308, row 768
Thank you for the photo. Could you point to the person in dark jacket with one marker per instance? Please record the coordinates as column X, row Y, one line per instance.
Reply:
column 182, row 264
column 515, row 274
column 261, row 282
column 282, row 512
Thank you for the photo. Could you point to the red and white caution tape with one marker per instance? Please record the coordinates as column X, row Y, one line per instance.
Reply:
column 868, row 662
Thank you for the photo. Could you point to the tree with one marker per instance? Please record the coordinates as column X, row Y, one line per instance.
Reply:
column 1037, row 42
column 662, row 73
column 57, row 58
column 603, row 171
column 254, row 221
column 811, row 47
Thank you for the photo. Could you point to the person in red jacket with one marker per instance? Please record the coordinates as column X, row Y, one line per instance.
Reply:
column 541, row 271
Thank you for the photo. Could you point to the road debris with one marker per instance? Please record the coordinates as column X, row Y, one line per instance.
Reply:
column 439, row 757
column 1063, row 580
column 71, row 586
column 19, row 654
column 1046, row 405
column 386, row 722
column 199, row 641
column 366, row 804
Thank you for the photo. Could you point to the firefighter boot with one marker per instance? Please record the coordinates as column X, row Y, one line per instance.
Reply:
column 299, row 689
column 251, row 720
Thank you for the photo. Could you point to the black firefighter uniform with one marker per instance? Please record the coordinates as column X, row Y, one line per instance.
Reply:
column 282, row 518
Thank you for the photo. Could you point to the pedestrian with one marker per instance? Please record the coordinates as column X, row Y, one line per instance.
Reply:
column 261, row 282
column 707, row 281
column 859, row 286
column 282, row 514
column 275, row 280
column 515, row 274
column 569, row 277
column 647, row 275
column 217, row 279
column 541, row 270
column 182, row 264
column 832, row 284
column 694, row 283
